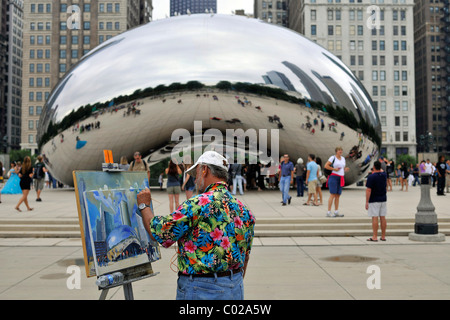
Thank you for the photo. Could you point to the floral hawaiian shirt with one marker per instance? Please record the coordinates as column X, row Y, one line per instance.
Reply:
column 214, row 231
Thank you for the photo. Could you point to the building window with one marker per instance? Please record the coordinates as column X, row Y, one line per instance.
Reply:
column 330, row 14
column 405, row 121
column 395, row 45
column 374, row 60
column 313, row 29
column 405, row 135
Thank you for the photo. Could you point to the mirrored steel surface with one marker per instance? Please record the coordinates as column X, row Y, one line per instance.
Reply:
column 131, row 92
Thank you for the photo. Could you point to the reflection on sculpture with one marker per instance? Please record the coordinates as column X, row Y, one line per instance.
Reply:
column 228, row 72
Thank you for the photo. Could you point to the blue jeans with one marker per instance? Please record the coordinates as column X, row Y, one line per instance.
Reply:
column 300, row 185
column 285, row 183
column 216, row 288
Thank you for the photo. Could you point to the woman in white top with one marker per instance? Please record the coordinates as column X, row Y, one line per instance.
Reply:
column 335, row 181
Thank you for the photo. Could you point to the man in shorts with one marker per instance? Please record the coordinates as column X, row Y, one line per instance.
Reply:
column 376, row 200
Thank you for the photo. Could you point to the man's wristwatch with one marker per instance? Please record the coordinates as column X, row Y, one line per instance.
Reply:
column 142, row 206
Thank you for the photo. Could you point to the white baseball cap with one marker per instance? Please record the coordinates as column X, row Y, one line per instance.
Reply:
column 209, row 157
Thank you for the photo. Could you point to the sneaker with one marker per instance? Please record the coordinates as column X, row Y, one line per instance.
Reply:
column 283, row 204
column 336, row 214
column 329, row 215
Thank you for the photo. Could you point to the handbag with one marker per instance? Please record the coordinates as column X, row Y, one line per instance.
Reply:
column 328, row 172
column 322, row 179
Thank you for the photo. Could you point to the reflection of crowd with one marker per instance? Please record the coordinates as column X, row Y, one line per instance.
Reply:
column 103, row 260
column 84, row 127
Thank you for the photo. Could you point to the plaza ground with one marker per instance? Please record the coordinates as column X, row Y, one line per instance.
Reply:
column 291, row 267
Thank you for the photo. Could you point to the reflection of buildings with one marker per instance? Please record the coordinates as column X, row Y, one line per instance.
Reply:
column 115, row 236
column 279, row 79
column 382, row 58
column 51, row 45
column 180, row 7
column 314, row 91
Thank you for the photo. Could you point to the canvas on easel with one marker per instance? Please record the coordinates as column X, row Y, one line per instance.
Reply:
column 112, row 231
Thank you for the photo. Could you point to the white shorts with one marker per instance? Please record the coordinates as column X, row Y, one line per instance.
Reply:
column 377, row 209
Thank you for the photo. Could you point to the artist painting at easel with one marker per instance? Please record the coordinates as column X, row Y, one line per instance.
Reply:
column 214, row 232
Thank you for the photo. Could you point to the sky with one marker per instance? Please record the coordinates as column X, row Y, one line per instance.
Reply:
column 161, row 8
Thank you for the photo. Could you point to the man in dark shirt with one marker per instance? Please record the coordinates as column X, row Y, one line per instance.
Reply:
column 441, row 168
column 376, row 200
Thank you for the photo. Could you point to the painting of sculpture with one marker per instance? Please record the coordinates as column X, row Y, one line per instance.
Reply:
column 113, row 234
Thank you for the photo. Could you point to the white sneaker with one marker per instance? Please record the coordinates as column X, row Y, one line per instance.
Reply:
column 329, row 215
column 336, row 214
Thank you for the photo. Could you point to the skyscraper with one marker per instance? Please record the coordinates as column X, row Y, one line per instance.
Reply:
column 377, row 44
column 272, row 11
column 432, row 63
column 56, row 35
column 180, row 7
column 11, row 54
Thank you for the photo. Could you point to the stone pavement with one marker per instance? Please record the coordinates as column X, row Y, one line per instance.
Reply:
column 280, row 268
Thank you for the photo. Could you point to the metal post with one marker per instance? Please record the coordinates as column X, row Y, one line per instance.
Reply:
column 128, row 291
column 426, row 226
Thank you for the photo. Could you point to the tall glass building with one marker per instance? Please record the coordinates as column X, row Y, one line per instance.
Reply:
column 180, row 7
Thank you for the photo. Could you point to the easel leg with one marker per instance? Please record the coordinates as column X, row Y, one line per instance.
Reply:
column 104, row 294
column 128, row 291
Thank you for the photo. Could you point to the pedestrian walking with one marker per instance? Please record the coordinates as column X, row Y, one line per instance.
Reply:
column 26, row 177
column 214, row 232
column 441, row 170
column 39, row 171
column 300, row 173
column 311, row 179
column 286, row 178
column 139, row 165
column 376, row 201
column 336, row 180
column 320, row 180
column 173, row 173
column 447, row 178
column 236, row 175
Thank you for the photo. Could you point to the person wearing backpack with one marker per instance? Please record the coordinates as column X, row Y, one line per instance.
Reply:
column 39, row 171
column 139, row 165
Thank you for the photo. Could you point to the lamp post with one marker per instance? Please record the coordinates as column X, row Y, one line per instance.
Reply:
column 426, row 226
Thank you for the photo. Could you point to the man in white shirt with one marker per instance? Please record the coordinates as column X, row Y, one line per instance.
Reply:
column 428, row 167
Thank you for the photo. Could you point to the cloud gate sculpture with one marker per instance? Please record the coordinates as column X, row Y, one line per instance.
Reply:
column 202, row 72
